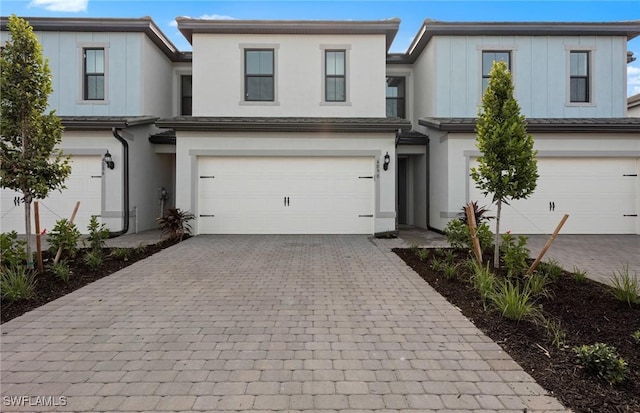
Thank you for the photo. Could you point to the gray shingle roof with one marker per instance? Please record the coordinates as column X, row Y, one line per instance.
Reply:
column 565, row 125
column 104, row 122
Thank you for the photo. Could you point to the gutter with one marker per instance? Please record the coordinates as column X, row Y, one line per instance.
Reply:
column 125, row 184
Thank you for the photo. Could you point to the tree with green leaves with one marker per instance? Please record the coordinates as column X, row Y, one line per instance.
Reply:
column 29, row 161
column 507, row 168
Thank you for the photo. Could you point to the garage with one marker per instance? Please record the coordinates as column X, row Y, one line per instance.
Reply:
column 84, row 185
column 599, row 194
column 286, row 195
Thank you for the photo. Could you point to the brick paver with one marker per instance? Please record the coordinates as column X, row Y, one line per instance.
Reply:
column 261, row 323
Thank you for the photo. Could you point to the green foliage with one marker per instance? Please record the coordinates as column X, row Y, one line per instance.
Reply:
column 12, row 250
column 603, row 361
column 483, row 280
column 580, row 276
column 480, row 213
column 30, row 162
column 422, row 254
column 514, row 301
column 140, row 249
column 553, row 329
column 17, row 283
column 450, row 271
column 436, row 265
column 62, row 271
column 635, row 336
column 459, row 236
column 448, row 256
column 64, row 235
column 514, row 254
column 551, row 269
column 625, row 286
column 537, row 284
column 507, row 168
column 94, row 259
column 175, row 224
column 122, row 254
column 98, row 234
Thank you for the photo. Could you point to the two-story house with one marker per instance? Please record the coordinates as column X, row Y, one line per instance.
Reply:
column 314, row 127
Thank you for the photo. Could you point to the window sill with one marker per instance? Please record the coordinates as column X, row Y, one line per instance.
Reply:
column 335, row 103
column 93, row 102
column 258, row 103
column 580, row 104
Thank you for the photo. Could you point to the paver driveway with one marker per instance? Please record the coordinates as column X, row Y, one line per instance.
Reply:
column 269, row 323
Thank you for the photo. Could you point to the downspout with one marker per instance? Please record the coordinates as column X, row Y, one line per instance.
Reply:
column 125, row 184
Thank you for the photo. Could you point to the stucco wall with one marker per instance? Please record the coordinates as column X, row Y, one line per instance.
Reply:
column 157, row 81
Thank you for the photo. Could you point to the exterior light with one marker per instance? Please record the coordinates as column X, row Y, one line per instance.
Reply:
column 387, row 160
column 108, row 161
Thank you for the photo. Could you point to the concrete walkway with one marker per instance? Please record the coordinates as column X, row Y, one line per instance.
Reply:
column 261, row 323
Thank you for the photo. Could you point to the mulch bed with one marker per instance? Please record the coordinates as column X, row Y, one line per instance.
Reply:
column 588, row 313
column 48, row 287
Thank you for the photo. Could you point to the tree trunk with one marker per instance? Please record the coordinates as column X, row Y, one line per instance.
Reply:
column 496, row 251
column 27, row 229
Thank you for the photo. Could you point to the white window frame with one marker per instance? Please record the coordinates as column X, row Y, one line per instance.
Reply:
column 511, row 48
column 347, row 74
column 591, row 50
column 244, row 46
column 80, row 96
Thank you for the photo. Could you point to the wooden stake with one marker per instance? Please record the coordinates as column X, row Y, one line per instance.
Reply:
column 547, row 245
column 73, row 216
column 471, row 219
column 36, row 210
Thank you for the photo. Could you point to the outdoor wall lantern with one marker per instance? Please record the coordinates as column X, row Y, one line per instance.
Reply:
column 387, row 160
column 108, row 161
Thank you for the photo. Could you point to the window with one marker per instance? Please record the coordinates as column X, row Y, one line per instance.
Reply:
column 490, row 56
column 395, row 97
column 93, row 74
column 335, row 77
column 579, row 76
column 258, row 69
column 186, row 96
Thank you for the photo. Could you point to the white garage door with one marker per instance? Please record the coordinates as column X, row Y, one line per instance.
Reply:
column 285, row 195
column 599, row 194
column 84, row 185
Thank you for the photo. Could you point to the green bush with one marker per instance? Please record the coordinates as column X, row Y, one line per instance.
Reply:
column 603, row 361
column 635, row 336
column 62, row 271
column 483, row 280
column 514, row 254
column 551, row 269
column 64, row 235
column 98, row 234
column 580, row 276
column 94, row 259
column 537, row 284
column 514, row 302
column 123, row 254
column 459, row 236
column 17, row 283
column 625, row 286
column 422, row 254
column 13, row 251
column 450, row 271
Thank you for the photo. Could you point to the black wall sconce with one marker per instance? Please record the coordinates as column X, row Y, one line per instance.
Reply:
column 387, row 160
column 108, row 161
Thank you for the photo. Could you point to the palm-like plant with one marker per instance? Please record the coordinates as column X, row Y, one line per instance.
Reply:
column 175, row 224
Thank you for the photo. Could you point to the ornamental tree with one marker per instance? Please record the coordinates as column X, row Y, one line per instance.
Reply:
column 29, row 161
column 507, row 168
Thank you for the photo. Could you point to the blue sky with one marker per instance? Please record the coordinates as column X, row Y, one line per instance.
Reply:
column 412, row 14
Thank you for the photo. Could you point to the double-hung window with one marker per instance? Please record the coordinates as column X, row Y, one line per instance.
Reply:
column 579, row 76
column 94, row 85
column 335, row 76
column 490, row 56
column 259, row 79
column 396, row 97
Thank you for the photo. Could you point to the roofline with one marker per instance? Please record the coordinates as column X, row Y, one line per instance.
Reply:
column 388, row 27
column 541, row 125
column 144, row 25
column 630, row 29
column 237, row 124
column 633, row 101
column 106, row 122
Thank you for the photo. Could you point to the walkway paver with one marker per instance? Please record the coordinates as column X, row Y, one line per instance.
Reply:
column 268, row 323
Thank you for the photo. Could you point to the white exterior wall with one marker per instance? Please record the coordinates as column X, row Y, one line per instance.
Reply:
column 540, row 68
column 634, row 112
column 190, row 145
column 424, row 80
column 218, row 75
column 156, row 82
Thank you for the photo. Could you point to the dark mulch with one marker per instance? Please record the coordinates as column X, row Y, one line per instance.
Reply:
column 48, row 287
column 588, row 313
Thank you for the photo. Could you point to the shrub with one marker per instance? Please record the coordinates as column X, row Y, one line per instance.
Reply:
column 98, row 234
column 580, row 276
column 450, row 271
column 551, row 269
column 62, row 271
column 93, row 259
column 603, row 361
column 458, row 235
column 635, row 336
column 65, row 235
column 175, row 224
column 422, row 254
column 625, row 286
column 537, row 284
column 483, row 280
column 514, row 254
column 448, row 256
column 478, row 211
column 17, row 283
column 513, row 301
column 436, row 265
column 13, row 250
column 122, row 254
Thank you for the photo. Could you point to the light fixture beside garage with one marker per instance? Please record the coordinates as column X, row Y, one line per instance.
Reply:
column 108, row 161
column 387, row 160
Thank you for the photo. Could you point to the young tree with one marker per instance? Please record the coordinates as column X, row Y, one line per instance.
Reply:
column 507, row 168
column 29, row 162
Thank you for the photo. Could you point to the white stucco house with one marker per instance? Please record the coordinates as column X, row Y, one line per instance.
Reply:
column 297, row 127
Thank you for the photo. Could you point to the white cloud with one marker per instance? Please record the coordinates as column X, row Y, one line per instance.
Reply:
column 173, row 23
column 633, row 80
column 61, row 5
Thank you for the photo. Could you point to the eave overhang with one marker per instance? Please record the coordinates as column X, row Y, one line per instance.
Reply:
column 389, row 27
column 86, row 123
column 543, row 125
column 263, row 124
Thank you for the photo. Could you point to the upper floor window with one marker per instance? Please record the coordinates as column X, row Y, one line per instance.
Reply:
column 259, row 79
column 579, row 76
column 396, row 97
column 186, row 96
column 490, row 56
column 335, row 76
column 93, row 74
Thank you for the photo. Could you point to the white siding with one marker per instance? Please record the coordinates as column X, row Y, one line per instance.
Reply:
column 156, row 82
